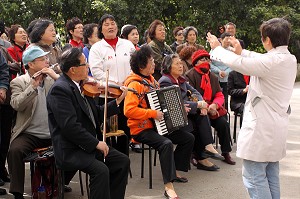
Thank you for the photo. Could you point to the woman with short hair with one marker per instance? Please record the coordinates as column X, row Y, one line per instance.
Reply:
column 43, row 34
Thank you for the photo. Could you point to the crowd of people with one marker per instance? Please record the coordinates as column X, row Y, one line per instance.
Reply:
column 43, row 104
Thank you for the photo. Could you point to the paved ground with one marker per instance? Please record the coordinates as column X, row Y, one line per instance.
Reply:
column 224, row 184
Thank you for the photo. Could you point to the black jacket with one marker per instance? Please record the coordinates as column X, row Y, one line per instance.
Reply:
column 235, row 86
column 73, row 133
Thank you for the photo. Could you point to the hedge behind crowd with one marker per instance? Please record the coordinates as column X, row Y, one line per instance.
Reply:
column 205, row 15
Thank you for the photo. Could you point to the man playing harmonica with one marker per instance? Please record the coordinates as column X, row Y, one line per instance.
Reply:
column 29, row 100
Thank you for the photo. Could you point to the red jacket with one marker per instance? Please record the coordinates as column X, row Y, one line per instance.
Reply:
column 16, row 53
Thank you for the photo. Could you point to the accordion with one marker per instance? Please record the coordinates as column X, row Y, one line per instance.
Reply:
column 169, row 101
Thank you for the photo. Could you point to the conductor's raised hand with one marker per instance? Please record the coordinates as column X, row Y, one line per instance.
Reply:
column 236, row 45
column 212, row 40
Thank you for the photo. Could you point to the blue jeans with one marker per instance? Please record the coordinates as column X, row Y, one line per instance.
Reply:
column 261, row 179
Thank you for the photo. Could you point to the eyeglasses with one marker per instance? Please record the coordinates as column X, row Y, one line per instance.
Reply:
column 42, row 59
column 204, row 59
column 179, row 33
column 85, row 64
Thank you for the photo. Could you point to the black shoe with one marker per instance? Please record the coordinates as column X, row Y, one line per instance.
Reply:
column 5, row 178
column 181, row 179
column 208, row 154
column 2, row 192
column 18, row 195
column 1, row 182
column 135, row 147
column 206, row 168
column 67, row 189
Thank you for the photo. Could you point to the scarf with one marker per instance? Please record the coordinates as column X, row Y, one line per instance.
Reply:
column 247, row 79
column 203, row 70
column 112, row 42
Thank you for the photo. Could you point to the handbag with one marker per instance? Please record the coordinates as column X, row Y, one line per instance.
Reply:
column 221, row 111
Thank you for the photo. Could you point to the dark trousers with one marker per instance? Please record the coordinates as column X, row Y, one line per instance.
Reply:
column 170, row 160
column 20, row 147
column 202, row 133
column 6, row 116
column 108, row 179
column 223, row 85
column 223, row 130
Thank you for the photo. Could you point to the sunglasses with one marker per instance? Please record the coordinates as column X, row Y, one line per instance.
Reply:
column 204, row 59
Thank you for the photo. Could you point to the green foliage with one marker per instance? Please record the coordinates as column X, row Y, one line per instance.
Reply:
column 205, row 15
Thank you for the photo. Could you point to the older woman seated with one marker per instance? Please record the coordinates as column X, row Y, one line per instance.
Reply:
column 208, row 85
column 197, row 113
column 141, row 125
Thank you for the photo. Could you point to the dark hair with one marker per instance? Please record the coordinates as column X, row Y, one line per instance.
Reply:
column 31, row 25
column 153, row 26
column 2, row 27
column 146, row 35
column 225, row 34
column 176, row 29
column 71, row 23
column 88, row 31
column 12, row 32
column 140, row 58
column 278, row 30
column 101, row 21
column 167, row 63
column 39, row 30
column 127, row 30
column 70, row 57
column 188, row 29
column 187, row 52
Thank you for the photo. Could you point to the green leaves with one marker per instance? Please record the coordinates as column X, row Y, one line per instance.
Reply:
column 203, row 14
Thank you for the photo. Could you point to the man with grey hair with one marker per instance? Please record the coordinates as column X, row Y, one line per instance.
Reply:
column 230, row 27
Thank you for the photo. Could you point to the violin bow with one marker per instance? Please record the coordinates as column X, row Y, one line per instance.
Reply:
column 105, row 106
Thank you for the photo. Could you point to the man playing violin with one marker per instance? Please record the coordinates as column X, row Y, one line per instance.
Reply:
column 74, row 121
column 29, row 100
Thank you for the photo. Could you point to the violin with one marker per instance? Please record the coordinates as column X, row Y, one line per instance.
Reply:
column 92, row 88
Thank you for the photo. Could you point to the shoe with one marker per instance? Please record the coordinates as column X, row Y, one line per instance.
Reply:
column 228, row 159
column 67, row 189
column 18, row 195
column 2, row 192
column 206, row 168
column 5, row 178
column 181, row 179
column 1, row 182
column 135, row 147
column 194, row 161
column 169, row 197
column 208, row 154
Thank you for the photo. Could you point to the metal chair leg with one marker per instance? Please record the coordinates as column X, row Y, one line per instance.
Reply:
column 150, row 168
column 87, row 185
column 80, row 182
column 61, row 184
